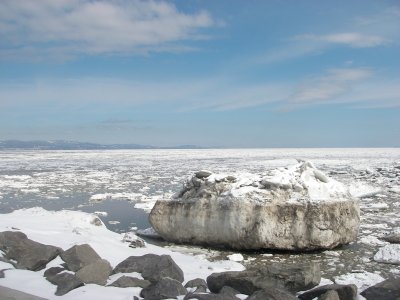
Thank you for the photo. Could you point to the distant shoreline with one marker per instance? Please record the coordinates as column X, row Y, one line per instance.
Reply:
column 41, row 145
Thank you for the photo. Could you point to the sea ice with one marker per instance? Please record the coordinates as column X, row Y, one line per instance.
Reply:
column 236, row 257
column 389, row 254
column 362, row 280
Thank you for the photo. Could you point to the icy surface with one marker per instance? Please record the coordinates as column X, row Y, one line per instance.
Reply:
column 67, row 228
column 235, row 257
column 68, row 179
column 388, row 254
column 362, row 280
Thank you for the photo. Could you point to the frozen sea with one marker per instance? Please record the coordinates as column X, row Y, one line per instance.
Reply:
column 126, row 183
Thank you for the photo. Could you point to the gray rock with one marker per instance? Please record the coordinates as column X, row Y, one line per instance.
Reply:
column 228, row 292
column 271, row 294
column 165, row 288
column 385, row 290
column 293, row 278
column 329, row 295
column 196, row 283
column 53, row 271
column 200, row 289
column 29, row 254
column 65, row 282
column 96, row 222
column 79, row 256
column 205, row 296
column 139, row 243
column 96, row 272
column 2, row 275
column 11, row 294
column 392, row 238
column 126, row 281
column 345, row 292
column 152, row 267
column 206, row 212
column 133, row 240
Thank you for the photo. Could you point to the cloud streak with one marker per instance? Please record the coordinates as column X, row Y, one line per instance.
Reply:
column 66, row 28
column 351, row 87
column 323, row 89
column 378, row 30
column 352, row 39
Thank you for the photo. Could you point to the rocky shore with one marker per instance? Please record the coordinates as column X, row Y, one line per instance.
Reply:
column 160, row 277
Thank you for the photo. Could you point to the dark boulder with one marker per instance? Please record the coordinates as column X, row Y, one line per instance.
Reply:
column 29, row 254
column 294, row 278
column 227, row 292
column 345, row 292
column 392, row 238
column 205, row 296
column 11, row 294
column 79, row 256
column 96, row 272
column 53, row 271
column 127, row 281
column 272, row 294
column 152, row 267
column 385, row 290
column 199, row 284
column 65, row 282
column 165, row 288
column 329, row 295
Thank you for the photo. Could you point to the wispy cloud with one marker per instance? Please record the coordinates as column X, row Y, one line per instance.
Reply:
column 352, row 39
column 213, row 93
column 66, row 28
column 350, row 87
column 322, row 89
column 377, row 30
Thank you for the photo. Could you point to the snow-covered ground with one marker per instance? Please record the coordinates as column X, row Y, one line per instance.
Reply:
column 96, row 180
column 68, row 228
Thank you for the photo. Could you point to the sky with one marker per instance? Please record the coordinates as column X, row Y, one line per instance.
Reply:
column 228, row 73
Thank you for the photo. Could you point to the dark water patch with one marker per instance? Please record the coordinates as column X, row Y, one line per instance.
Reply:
column 121, row 211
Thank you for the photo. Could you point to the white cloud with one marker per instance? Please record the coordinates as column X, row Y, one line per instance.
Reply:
column 66, row 28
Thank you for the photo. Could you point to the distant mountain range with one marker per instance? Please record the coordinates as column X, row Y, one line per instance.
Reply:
column 71, row 145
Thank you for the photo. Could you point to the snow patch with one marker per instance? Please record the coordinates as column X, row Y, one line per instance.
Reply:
column 362, row 280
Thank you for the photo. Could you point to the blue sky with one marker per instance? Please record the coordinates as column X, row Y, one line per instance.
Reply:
column 212, row 73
